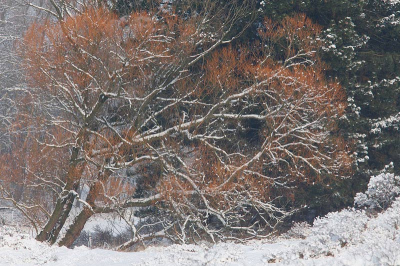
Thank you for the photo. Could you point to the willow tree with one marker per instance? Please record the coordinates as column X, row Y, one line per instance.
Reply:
column 232, row 131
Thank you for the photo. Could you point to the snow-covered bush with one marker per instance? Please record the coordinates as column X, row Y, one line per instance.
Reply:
column 299, row 230
column 341, row 228
column 387, row 224
column 382, row 190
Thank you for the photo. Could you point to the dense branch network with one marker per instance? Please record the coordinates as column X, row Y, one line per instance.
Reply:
column 159, row 111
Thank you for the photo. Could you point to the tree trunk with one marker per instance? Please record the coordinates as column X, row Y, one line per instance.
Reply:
column 76, row 228
column 79, row 223
column 64, row 204
column 60, row 214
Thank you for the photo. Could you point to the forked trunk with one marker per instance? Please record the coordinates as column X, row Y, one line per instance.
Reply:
column 79, row 223
column 64, row 204
column 60, row 214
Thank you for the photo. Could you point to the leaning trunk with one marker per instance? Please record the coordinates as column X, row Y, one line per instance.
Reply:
column 76, row 228
column 64, row 204
column 88, row 210
column 60, row 214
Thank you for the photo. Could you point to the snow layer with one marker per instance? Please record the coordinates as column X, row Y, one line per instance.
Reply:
column 349, row 237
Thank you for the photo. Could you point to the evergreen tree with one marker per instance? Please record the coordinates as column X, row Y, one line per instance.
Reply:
column 362, row 50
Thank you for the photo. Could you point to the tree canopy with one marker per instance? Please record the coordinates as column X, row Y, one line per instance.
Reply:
column 210, row 120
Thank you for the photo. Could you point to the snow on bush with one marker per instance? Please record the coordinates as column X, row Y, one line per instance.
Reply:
column 379, row 243
column 347, row 237
column 351, row 236
column 382, row 190
column 386, row 225
column 299, row 230
column 340, row 228
column 12, row 237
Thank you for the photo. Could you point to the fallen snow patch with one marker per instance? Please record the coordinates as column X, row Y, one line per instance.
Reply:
column 349, row 237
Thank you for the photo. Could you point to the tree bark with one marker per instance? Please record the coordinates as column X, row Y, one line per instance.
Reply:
column 77, row 226
column 58, row 217
column 64, row 204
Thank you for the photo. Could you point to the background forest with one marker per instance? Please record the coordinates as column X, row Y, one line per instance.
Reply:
column 195, row 120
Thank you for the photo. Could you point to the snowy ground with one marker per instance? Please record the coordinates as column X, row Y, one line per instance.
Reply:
column 349, row 237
